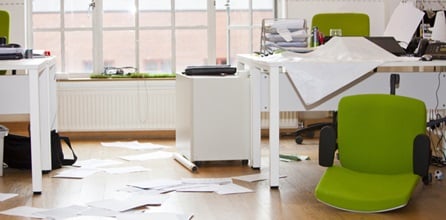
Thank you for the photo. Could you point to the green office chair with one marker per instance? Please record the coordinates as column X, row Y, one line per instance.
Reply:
column 382, row 150
column 4, row 24
column 4, row 30
column 351, row 24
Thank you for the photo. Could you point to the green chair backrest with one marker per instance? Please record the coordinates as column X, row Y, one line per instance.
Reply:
column 376, row 132
column 4, row 30
column 351, row 24
column 4, row 25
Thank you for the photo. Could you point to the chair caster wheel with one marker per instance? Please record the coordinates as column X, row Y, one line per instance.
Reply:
column 427, row 179
column 299, row 139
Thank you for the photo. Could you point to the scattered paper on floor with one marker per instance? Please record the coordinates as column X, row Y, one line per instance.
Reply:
column 134, row 145
column 148, row 156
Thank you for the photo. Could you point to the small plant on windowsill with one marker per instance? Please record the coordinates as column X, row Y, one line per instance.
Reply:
column 133, row 76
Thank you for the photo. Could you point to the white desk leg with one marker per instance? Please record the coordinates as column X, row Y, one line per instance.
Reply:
column 36, row 167
column 274, row 126
column 45, row 119
column 255, row 118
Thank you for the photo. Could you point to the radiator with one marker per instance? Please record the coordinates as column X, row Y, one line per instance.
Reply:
column 126, row 105
column 116, row 105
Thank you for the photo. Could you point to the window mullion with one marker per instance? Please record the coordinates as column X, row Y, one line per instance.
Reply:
column 173, row 36
column 137, row 37
column 212, row 32
column 97, row 31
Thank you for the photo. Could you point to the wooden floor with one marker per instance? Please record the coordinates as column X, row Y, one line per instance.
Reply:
column 294, row 198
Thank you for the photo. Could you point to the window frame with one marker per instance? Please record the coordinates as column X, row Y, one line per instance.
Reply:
column 97, row 30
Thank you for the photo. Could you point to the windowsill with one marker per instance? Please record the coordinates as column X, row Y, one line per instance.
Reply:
column 83, row 78
column 109, row 79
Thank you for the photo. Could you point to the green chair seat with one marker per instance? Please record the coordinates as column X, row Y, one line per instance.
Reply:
column 362, row 192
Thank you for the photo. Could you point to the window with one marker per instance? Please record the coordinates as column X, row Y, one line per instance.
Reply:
column 151, row 35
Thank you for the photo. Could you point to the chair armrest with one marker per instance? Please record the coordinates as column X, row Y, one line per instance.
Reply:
column 421, row 155
column 327, row 146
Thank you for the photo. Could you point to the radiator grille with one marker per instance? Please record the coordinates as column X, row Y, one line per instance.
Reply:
column 116, row 106
column 126, row 106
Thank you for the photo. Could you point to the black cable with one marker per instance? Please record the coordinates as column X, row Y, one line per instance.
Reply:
column 437, row 90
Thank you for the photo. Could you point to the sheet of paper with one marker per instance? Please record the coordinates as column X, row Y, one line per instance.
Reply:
column 134, row 145
column 121, row 205
column 255, row 177
column 62, row 213
column 252, row 177
column 154, row 215
column 206, row 180
column 98, row 212
column 127, row 169
column 24, row 211
column 232, row 189
column 197, row 188
column 148, row 156
column 76, row 173
column 6, row 196
column 333, row 66
column 439, row 29
column 404, row 22
column 95, row 163
column 156, row 184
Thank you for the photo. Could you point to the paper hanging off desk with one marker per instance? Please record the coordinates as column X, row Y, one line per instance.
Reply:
column 334, row 65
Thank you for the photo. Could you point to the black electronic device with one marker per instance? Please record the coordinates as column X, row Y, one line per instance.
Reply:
column 388, row 43
column 11, row 51
column 210, row 70
column 435, row 50
column 10, row 45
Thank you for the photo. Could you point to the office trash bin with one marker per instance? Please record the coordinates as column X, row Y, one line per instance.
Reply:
column 3, row 132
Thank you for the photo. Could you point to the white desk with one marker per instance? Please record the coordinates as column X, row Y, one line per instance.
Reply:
column 32, row 93
column 414, row 83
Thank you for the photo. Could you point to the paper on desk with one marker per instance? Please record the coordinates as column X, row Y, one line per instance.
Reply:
column 148, row 156
column 439, row 29
column 6, row 196
column 134, row 145
column 334, row 65
column 24, row 211
column 404, row 22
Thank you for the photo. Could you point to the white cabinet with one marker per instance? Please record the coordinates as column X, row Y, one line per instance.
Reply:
column 213, row 117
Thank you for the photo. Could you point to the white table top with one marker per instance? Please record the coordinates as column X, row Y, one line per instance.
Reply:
column 33, row 63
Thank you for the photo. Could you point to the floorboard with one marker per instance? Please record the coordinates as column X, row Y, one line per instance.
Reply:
column 293, row 199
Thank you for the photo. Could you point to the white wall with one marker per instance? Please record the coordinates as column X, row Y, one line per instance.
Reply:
column 16, row 9
column 378, row 10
